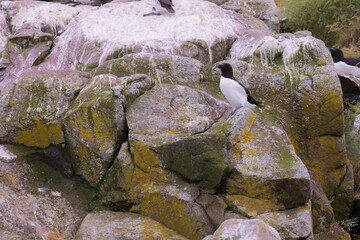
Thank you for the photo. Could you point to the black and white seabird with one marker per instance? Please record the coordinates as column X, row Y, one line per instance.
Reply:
column 167, row 4
column 236, row 93
column 345, row 66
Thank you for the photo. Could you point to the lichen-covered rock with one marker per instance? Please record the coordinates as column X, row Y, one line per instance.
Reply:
column 201, row 158
column 322, row 213
column 95, row 127
column 177, row 112
column 263, row 162
column 31, row 107
column 333, row 233
column 291, row 224
column 36, row 199
column 310, row 104
column 265, row 10
column 245, row 229
column 136, row 182
column 196, row 31
column 106, row 225
column 163, row 68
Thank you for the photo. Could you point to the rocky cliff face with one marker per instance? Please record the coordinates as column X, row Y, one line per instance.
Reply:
column 114, row 119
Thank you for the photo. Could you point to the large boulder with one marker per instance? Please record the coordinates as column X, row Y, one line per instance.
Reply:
column 106, row 225
column 135, row 182
column 266, row 10
column 31, row 108
column 244, row 229
column 188, row 32
column 35, row 198
column 267, row 177
column 310, row 104
column 95, row 127
column 34, row 26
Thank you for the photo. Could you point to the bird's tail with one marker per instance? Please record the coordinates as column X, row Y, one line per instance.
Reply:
column 253, row 101
column 170, row 10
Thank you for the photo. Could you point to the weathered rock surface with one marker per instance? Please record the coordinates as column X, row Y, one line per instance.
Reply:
column 282, row 66
column 95, row 127
column 120, row 225
column 196, row 33
column 244, row 230
column 265, row 10
column 131, row 105
column 32, row 106
column 36, row 199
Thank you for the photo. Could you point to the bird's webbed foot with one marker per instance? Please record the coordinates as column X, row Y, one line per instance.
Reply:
column 233, row 112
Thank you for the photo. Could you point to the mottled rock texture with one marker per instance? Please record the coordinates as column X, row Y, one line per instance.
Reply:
column 115, row 127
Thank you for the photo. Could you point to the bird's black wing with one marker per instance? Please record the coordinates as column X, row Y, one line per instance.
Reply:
column 352, row 61
column 249, row 97
column 168, row 2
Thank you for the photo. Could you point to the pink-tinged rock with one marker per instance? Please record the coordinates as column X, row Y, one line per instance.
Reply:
column 116, row 29
column 245, row 229
column 177, row 112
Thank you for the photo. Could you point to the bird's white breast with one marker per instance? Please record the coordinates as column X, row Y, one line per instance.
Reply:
column 346, row 70
column 233, row 92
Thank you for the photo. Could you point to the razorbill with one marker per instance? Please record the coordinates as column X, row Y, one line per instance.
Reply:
column 167, row 4
column 236, row 93
column 346, row 67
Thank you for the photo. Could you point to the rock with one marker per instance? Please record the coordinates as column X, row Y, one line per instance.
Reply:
column 179, row 113
column 264, row 10
column 322, row 213
column 163, row 68
column 3, row 38
column 201, row 159
column 36, row 199
column 333, row 233
column 310, row 105
column 136, row 182
column 120, row 225
column 205, row 34
column 34, row 26
column 95, row 127
column 263, row 162
column 291, row 224
column 242, row 229
column 215, row 208
column 6, row 156
column 31, row 108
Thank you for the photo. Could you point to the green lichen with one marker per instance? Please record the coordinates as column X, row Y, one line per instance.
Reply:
column 285, row 159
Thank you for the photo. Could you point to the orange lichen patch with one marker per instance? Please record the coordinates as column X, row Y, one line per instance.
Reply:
column 250, row 187
column 144, row 158
column 174, row 213
column 251, row 207
column 248, row 135
column 42, row 135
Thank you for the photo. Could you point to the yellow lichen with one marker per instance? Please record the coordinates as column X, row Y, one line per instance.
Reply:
column 42, row 135
column 172, row 131
column 144, row 158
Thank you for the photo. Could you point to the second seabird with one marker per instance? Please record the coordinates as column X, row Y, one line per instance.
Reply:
column 345, row 67
column 236, row 93
column 159, row 4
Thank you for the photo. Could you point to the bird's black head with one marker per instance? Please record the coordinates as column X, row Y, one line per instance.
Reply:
column 226, row 70
column 336, row 54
